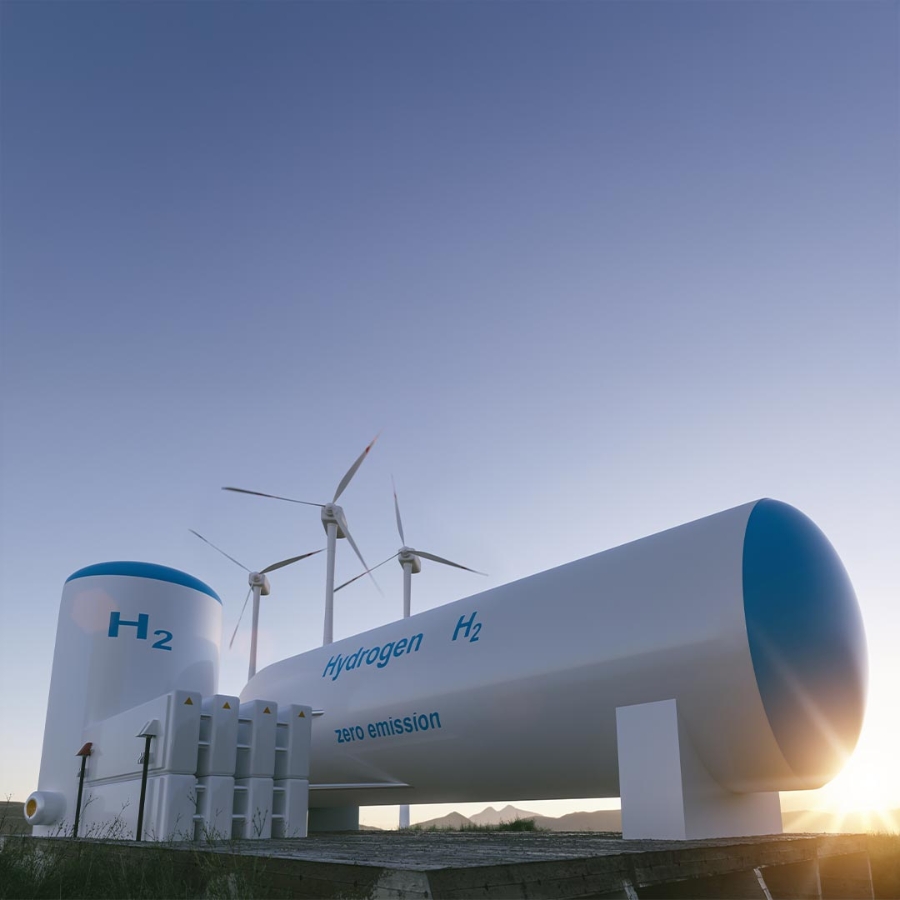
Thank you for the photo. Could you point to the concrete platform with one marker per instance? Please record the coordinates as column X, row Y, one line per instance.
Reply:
column 470, row 865
column 543, row 866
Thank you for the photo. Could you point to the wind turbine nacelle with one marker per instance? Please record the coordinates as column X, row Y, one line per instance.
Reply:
column 332, row 513
column 259, row 580
column 407, row 557
column 746, row 619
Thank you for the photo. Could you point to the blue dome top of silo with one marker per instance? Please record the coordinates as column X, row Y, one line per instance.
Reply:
column 806, row 638
column 145, row 570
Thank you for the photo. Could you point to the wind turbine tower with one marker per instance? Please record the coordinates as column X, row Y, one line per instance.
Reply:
column 411, row 563
column 259, row 586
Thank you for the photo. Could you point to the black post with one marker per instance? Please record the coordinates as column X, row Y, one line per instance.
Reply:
column 84, row 753
column 78, row 801
column 140, row 822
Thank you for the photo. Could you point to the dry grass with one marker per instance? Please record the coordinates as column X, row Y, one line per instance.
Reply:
column 12, row 818
column 101, row 865
column 884, row 855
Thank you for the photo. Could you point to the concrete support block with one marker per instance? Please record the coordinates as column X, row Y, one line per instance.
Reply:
column 625, row 892
column 334, row 818
column 667, row 793
column 736, row 886
column 794, row 881
column 846, row 877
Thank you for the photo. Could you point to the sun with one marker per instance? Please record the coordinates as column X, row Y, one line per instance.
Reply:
column 860, row 796
column 857, row 787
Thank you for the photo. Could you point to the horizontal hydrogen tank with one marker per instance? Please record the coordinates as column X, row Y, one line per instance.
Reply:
column 746, row 618
column 127, row 633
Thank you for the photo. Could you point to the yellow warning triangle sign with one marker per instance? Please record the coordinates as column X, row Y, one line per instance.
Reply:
column 302, row 715
column 267, row 710
column 188, row 702
column 227, row 705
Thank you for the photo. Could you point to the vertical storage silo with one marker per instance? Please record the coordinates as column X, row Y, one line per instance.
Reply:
column 127, row 632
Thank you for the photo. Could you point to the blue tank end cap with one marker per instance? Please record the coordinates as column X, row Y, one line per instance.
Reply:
column 806, row 639
column 146, row 570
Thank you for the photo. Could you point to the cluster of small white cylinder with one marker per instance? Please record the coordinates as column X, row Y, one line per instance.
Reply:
column 269, row 759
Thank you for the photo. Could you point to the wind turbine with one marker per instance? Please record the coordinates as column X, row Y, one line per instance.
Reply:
column 411, row 560
column 411, row 563
column 335, row 524
column 259, row 586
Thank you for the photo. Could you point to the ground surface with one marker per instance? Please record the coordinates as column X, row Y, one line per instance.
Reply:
column 12, row 817
column 440, row 850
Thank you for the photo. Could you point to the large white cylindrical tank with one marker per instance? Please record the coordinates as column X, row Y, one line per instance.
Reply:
column 746, row 618
column 127, row 632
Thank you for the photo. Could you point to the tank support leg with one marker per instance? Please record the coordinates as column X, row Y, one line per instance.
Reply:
column 667, row 793
column 334, row 818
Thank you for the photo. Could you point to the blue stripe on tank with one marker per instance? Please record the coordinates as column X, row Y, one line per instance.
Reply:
column 146, row 570
column 806, row 639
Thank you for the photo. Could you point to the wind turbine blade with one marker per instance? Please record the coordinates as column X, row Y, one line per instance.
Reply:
column 446, row 562
column 287, row 562
column 211, row 544
column 272, row 496
column 397, row 510
column 241, row 616
column 361, row 574
column 352, row 543
column 352, row 470
column 354, row 578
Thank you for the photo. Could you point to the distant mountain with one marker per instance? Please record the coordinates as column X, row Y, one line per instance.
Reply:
column 602, row 820
column 491, row 816
column 451, row 820
column 599, row 820
column 795, row 821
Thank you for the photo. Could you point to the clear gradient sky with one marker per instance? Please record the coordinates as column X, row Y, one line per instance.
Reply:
column 593, row 269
